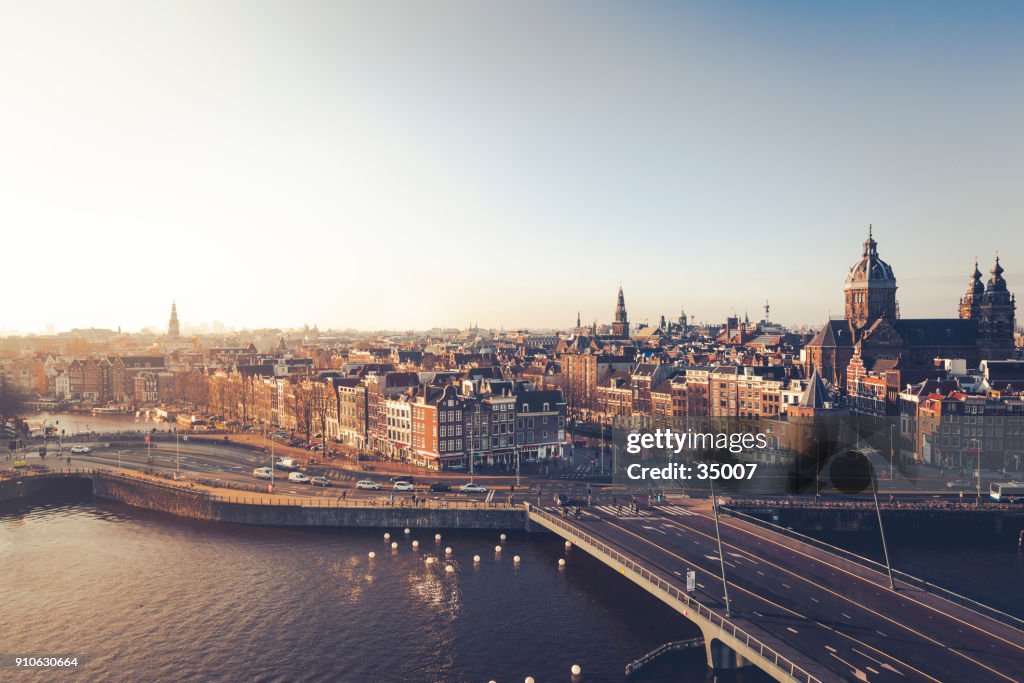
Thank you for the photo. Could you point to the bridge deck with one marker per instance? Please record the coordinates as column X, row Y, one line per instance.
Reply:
column 822, row 608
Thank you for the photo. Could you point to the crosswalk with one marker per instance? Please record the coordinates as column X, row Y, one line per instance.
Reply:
column 581, row 472
column 625, row 511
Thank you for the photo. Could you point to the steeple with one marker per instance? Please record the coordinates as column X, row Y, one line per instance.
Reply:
column 578, row 320
column 173, row 329
column 620, row 328
column 996, row 317
column 970, row 303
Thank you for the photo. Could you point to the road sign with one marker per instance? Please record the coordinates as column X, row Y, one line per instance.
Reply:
column 691, row 580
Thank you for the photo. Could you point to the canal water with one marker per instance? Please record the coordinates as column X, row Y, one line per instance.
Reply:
column 73, row 423
column 142, row 596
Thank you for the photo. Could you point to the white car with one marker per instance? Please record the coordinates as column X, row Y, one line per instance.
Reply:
column 473, row 488
column 404, row 486
column 263, row 473
column 298, row 478
column 368, row 485
column 81, row 449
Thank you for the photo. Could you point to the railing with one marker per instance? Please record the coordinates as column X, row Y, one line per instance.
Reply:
column 636, row 664
column 782, row 663
column 917, row 582
column 205, row 492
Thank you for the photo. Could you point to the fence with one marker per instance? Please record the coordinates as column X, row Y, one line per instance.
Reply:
column 782, row 663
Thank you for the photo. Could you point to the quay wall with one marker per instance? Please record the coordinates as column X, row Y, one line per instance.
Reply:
column 196, row 503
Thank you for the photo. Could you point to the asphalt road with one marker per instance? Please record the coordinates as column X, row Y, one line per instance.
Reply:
column 835, row 612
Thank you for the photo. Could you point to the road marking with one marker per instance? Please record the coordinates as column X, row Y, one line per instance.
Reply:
column 872, row 611
column 830, row 648
column 844, row 614
column 786, row 585
column 889, row 668
column 736, row 526
column 815, row 599
column 791, row 629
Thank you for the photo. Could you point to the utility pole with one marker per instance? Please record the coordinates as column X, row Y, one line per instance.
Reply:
column 721, row 555
column 885, row 546
column 177, row 456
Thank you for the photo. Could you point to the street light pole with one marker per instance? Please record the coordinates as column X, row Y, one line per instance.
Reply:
column 177, row 456
column 721, row 555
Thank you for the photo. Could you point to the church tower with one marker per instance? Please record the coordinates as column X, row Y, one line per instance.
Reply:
column 173, row 329
column 970, row 303
column 620, row 328
column 870, row 288
column 996, row 317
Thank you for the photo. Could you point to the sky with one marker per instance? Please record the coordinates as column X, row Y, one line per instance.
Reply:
column 404, row 165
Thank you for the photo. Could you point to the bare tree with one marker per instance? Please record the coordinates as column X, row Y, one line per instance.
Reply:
column 302, row 407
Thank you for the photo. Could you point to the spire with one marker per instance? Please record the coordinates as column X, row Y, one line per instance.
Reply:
column 577, row 320
column 870, row 246
column 173, row 328
column 816, row 395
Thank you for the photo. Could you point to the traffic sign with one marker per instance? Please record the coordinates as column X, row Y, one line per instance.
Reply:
column 691, row 580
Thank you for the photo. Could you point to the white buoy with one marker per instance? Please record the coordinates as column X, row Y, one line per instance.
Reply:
column 437, row 537
column 529, row 679
column 387, row 536
column 406, row 532
column 476, row 558
column 449, row 569
column 576, row 670
column 503, row 537
column 430, row 560
column 497, row 548
column 415, row 544
column 372, row 554
column 568, row 545
column 561, row 563
column 394, row 546
column 516, row 559
column 448, row 550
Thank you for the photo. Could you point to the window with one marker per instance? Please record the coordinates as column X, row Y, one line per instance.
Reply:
column 526, row 407
column 547, row 407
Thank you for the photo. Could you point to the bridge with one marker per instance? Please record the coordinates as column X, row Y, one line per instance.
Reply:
column 798, row 612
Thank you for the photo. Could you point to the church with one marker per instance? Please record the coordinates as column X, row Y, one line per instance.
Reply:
column 873, row 334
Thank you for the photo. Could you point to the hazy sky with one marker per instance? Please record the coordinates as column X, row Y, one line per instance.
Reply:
column 410, row 164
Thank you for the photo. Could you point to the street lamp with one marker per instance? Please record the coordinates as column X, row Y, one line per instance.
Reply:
column 721, row 555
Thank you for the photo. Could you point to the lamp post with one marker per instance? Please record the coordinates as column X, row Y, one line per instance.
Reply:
column 177, row 456
column 721, row 555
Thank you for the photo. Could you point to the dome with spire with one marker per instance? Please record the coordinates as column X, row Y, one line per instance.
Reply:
column 870, row 268
column 971, row 301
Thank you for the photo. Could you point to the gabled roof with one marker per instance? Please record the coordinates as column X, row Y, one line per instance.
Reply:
column 834, row 333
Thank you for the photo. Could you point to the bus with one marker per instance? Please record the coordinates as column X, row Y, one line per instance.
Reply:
column 1007, row 491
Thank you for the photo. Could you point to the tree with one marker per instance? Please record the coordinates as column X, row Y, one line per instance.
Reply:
column 12, row 401
column 302, row 407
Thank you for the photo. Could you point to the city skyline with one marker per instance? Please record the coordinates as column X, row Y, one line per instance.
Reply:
column 274, row 168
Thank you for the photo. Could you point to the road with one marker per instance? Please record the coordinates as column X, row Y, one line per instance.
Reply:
column 831, row 610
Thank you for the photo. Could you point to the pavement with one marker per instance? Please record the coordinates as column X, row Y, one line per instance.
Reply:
column 833, row 611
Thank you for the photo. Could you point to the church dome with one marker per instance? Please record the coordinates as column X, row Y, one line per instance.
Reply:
column 870, row 271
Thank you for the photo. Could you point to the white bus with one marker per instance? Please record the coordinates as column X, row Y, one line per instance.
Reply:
column 1007, row 491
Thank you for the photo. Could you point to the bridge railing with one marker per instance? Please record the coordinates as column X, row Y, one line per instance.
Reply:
column 783, row 663
column 915, row 581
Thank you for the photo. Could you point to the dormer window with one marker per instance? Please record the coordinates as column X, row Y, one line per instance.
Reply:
column 526, row 407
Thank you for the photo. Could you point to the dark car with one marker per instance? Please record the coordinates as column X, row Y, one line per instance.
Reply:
column 565, row 500
column 320, row 481
column 403, row 477
column 438, row 487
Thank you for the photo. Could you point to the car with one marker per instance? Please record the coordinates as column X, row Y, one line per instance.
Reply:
column 404, row 486
column 473, row 488
column 320, row 481
column 402, row 477
column 316, row 447
column 298, row 478
column 958, row 485
column 263, row 473
column 456, row 467
column 368, row 485
column 438, row 487
column 81, row 449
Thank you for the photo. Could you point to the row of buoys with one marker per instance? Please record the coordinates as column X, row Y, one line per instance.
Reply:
column 576, row 670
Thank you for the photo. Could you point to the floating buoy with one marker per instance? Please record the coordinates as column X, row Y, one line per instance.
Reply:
column 561, row 563
column 430, row 560
column 476, row 559
column 394, row 546
column 387, row 536
column 415, row 544
column 407, row 532
column 497, row 548
column 448, row 550
column 516, row 559
column 372, row 554
column 503, row 537
column 529, row 679
column 576, row 670
column 449, row 569
column 568, row 545
column 437, row 537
